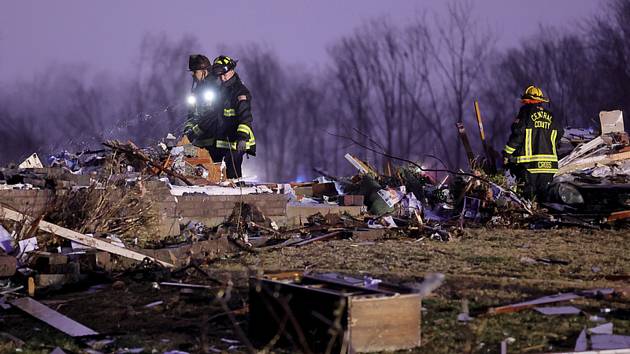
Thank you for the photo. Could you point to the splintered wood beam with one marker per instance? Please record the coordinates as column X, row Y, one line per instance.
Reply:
column 464, row 138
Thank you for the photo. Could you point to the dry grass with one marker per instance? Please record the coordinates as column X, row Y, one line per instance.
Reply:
column 482, row 266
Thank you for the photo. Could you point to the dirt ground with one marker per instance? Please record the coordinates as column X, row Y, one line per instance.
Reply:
column 486, row 267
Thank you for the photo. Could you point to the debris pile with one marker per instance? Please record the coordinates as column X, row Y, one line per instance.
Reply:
column 595, row 177
column 155, row 213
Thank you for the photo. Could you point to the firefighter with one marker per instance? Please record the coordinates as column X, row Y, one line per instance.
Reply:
column 234, row 136
column 530, row 152
column 200, row 127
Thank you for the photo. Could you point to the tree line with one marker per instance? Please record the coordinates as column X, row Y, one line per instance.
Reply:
column 397, row 88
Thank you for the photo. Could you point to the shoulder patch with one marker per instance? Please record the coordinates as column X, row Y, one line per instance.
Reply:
column 242, row 98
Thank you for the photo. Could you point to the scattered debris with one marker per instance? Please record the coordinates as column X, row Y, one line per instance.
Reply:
column 159, row 213
column 606, row 328
column 52, row 318
column 559, row 310
column 550, row 299
column 182, row 285
column 32, row 161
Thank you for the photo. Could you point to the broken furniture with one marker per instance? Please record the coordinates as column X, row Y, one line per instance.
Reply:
column 330, row 312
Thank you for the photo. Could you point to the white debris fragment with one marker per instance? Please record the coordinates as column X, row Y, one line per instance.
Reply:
column 32, row 161
column 218, row 190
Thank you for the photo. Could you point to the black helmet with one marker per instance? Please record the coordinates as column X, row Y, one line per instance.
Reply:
column 198, row 62
column 222, row 64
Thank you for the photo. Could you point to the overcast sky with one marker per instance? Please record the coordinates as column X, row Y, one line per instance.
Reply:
column 107, row 34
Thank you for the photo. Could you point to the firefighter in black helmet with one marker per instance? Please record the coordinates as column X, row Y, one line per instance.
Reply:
column 234, row 134
column 200, row 127
column 531, row 150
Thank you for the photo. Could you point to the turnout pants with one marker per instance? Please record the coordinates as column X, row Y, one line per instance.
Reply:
column 536, row 185
column 233, row 160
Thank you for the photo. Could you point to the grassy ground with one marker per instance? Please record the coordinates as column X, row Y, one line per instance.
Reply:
column 485, row 267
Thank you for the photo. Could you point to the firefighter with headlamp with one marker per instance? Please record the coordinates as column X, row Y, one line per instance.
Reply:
column 201, row 125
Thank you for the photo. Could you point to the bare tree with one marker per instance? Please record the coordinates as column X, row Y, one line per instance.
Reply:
column 154, row 99
column 459, row 47
column 354, row 83
column 609, row 40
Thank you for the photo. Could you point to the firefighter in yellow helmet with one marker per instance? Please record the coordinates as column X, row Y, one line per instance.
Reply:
column 531, row 150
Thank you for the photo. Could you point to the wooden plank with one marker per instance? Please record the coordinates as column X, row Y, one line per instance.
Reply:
column 619, row 215
column 53, row 318
column 492, row 168
column 184, row 285
column 592, row 162
column 359, row 165
column 582, row 150
column 384, row 323
column 318, row 238
column 533, row 303
column 464, row 138
column 79, row 238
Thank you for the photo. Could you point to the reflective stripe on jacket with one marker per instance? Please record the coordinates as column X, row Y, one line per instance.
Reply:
column 534, row 139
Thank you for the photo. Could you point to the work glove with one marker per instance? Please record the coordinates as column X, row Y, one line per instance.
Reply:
column 190, row 134
column 241, row 146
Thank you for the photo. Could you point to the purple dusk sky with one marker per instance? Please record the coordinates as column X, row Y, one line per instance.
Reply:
column 35, row 34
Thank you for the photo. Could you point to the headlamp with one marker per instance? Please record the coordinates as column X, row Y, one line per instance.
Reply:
column 208, row 96
column 191, row 100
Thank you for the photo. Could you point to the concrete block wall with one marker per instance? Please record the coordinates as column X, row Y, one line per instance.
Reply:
column 29, row 201
column 211, row 210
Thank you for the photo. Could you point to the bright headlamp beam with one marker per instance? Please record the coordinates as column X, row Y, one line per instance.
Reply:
column 208, row 96
column 191, row 100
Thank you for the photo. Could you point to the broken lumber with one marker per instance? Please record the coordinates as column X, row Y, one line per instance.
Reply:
column 581, row 151
column 534, row 303
column 52, row 317
column 592, row 162
column 551, row 299
column 185, row 285
column 79, row 237
column 618, row 215
column 470, row 155
column 360, row 165
column 490, row 163
column 318, row 238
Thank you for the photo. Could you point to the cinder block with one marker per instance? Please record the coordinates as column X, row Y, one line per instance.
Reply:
column 8, row 264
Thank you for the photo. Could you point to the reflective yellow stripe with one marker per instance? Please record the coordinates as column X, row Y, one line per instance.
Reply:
column 542, row 170
column 222, row 144
column 196, row 129
column 508, row 149
column 229, row 112
column 554, row 134
column 528, row 142
column 533, row 158
column 247, row 130
column 225, row 145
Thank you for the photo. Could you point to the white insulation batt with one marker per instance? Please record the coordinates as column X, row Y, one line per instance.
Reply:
column 218, row 190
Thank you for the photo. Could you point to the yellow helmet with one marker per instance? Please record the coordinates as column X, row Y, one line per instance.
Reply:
column 534, row 93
